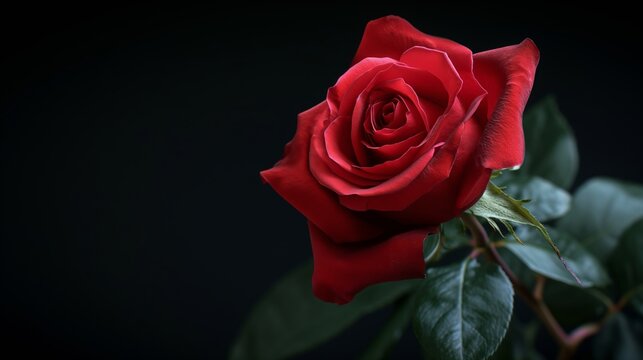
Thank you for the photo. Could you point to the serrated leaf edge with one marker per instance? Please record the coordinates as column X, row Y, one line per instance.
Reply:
column 532, row 221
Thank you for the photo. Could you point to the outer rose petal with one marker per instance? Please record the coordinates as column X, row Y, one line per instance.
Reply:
column 507, row 74
column 342, row 271
column 291, row 178
column 391, row 36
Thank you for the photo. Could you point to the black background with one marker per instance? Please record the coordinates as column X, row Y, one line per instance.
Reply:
column 134, row 222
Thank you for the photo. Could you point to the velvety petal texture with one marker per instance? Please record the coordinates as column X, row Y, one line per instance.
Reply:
column 291, row 178
column 507, row 74
column 340, row 272
column 406, row 139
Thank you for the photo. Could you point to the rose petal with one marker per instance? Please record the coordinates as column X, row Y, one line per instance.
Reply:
column 333, row 150
column 341, row 271
column 337, row 144
column 391, row 36
column 357, row 77
column 418, row 80
column 398, row 117
column 438, row 169
column 395, row 174
column 432, row 173
column 373, row 112
column 291, row 178
column 393, row 87
column 507, row 74
column 393, row 151
column 475, row 177
column 373, row 122
column 343, row 161
column 454, row 194
column 420, row 83
column 388, row 136
column 386, row 89
column 438, row 64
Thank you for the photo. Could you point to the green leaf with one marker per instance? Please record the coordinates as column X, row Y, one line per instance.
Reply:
column 601, row 211
column 463, row 310
column 495, row 204
column 289, row 319
column 392, row 331
column 432, row 247
column 546, row 200
column 618, row 340
column 454, row 234
column 540, row 259
column 626, row 264
column 550, row 146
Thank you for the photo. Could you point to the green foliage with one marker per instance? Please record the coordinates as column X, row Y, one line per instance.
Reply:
column 550, row 147
column 495, row 204
column 626, row 264
column 432, row 247
column 454, row 234
column 463, row 310
column 550, row 166
column 289, row 319
column 546, row 200
column 601, row 211
column 540, row 259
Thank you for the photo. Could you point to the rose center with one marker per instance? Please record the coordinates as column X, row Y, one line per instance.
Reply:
column 388, row 114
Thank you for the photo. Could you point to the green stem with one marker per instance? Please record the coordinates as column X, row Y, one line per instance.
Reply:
column 536, row 303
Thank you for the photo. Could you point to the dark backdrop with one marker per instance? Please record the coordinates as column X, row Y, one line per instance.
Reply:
column 134, row 222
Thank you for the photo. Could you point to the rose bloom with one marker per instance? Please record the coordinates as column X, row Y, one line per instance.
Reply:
column 405, row 140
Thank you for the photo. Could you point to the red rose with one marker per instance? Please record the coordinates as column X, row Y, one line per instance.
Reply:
column 406, row 139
